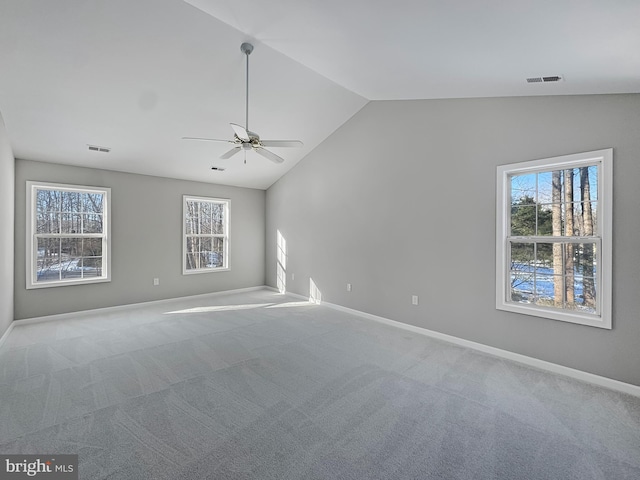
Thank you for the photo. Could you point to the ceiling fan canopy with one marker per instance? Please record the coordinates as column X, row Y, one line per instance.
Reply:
column 243, row 138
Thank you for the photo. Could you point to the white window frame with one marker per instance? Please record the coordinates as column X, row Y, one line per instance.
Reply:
column 32, row 235
column 603, row 159
column 225, row 236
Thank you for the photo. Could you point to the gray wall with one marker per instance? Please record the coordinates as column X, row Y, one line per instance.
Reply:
column 146, row 215
column 7, row 166
column 400, row 201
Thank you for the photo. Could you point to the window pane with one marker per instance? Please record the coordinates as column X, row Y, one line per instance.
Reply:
column 71, row 202
column 191, row 208
column 523, row 220
column 205, row 244
column 191, row 218
column 545, row 220
column 584, row 257
column 551, row 219
column 550, row 187
column 91, row 267
column 549, row 289
column 587, row 178
column 205, row 225
column 522, row 256
column 70, row 247
column 92, row 247
column 550, row 267
column 585, row 294
column 191, row 225
column 522, row 272
column 70, row 251
column 571, row 185
column 544, row 255
column 218, row 252
column 523, row 189
column 569, row 254
column 70, row 223
column 205, row 217
column 214, row 259
column 218, row 244
column 48, row 200
column 48, row 260
column 92, row 223
column 587, row 221
column 92, row 203
column 218, row 218
column 47, row 222
column 521, row 295
column 572, row 219
column 191, row 262
column 192, row 244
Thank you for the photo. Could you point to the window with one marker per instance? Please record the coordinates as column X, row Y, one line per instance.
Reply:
column 553, row 233
column 67, row 235
column 206, row 235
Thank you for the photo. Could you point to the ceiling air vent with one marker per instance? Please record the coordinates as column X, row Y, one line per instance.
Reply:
column 217, row 169
column 553, row 78
column 95, row 148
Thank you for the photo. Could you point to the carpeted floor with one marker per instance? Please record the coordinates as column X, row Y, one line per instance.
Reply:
column 262, row 386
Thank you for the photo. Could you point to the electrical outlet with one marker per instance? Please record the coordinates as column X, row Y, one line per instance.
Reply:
column 156, row 282
column 348, row 287
column 293, row 276
column 414, row 300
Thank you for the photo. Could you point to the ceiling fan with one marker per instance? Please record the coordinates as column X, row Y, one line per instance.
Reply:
column 243, row 138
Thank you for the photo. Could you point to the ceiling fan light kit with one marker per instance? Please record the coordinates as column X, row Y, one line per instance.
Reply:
column 243, row 138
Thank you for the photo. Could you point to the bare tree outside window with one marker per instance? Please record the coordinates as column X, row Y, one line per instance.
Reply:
column 205, row 234
column 69, row 234
column 558, row 271
column 554, row 245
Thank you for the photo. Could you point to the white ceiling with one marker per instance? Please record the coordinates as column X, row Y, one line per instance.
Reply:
column 137, row 75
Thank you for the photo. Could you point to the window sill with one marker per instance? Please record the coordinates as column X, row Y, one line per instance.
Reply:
column 205, row 270
column 66, row 283
column 591, row 320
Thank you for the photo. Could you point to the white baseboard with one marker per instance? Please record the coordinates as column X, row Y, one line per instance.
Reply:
column 601, row 381
column 6, row 334
column 82, row 313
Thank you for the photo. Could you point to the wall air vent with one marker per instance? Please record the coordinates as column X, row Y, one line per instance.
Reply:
column 96, row 148
column 553, row 78
column 217, row 169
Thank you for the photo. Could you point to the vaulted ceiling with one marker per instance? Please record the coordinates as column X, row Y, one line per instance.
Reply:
column 136, row 76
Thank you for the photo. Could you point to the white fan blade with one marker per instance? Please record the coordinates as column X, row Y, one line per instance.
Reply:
column 208, row 139
column 240, row 132
column 282, row 143
column 267, row 154
column 230, row 153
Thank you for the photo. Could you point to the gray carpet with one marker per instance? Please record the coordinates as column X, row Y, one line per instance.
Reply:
column 262, row 386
